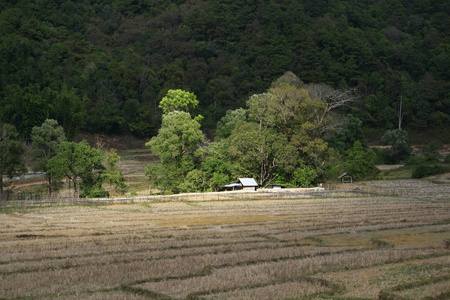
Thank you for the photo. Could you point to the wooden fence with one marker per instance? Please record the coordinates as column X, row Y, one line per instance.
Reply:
column 262, row 194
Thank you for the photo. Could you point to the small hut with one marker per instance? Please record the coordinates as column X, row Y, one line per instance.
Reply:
column 346, row 178
column 248, row 184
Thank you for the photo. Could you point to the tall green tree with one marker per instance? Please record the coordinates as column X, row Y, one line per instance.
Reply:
column 261, row 153
column 46, row 140
column 178, row 145
column 178, row 100
column 11, row 150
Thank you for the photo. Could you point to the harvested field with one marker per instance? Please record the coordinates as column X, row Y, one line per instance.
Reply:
column 251, row 249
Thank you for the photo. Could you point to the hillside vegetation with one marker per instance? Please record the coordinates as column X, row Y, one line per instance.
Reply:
column 103, row 66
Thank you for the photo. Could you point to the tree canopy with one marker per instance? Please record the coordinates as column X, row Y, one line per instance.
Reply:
column 103, row 67
column 46, row 140
column 11, row 160
column 178, row 146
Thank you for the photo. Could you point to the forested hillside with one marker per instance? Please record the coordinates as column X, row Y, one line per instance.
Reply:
column 103, row 66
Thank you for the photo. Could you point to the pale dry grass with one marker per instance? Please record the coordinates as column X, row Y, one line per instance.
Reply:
column 231, row 248
column 415, row 188
column 99, row 295
column 267, row 272
column 426, row 292
column 368, row 282
column 272, row 292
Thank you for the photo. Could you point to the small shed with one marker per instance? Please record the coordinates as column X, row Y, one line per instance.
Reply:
column 248, row 184
column 346, row 178
column 275, row 186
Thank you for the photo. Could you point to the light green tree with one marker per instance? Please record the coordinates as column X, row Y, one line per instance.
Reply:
column 11, row 150
column 260, row 153
column 113, row 175
column 304, row 176
column 226, row 125
column 290, row 111
column 78, row 161
column 178, row 145
column 217, row 167
column 360, row 163
column 178, row 100
column 46, row 140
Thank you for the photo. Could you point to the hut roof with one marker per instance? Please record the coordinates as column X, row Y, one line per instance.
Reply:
column 247, row 182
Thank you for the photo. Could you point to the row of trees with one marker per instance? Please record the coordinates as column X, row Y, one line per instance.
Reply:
column 84, row 167
column 294, row 134
column 282, row 136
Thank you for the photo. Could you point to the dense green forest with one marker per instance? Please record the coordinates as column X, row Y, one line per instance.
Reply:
column 103, row 66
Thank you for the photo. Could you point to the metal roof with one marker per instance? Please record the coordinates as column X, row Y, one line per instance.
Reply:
column 247, row 181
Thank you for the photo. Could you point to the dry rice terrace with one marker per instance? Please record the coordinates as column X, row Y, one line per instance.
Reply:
column 340, row 248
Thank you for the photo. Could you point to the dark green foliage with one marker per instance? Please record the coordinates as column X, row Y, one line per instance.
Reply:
column 360, row 163
column 95, row 193
column 424, row 170
column 398, row 140
column 80, row 63
column 431, row 151
column 11, row 150
column 76, row 161
column 383, row 156
column 351, row 132
column 46, row 140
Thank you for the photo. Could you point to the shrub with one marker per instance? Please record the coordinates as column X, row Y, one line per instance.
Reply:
column 416, row 161
column 447, row 159
column 424, row 170
column 398, row 140
column 95, row 193
column 383, row 156
column 431, row 151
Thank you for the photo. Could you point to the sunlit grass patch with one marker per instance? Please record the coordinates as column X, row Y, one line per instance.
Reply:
column 368, row 282
column 287, row 290
column 433, row 289
column 405, row 237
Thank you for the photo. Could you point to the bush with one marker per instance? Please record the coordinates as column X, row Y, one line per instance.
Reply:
column 416, row 161
column 427, row 170
column 447, row 159
column 398, row 140
column 95, row 193
column 383, row 156
column 431, row 151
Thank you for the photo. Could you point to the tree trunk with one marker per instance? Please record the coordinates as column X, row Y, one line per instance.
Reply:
column 1, row 185
column 75, row 188
column 49, row 179
column 400, row 116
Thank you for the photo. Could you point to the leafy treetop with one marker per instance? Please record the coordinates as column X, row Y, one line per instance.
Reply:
column 178, row 100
